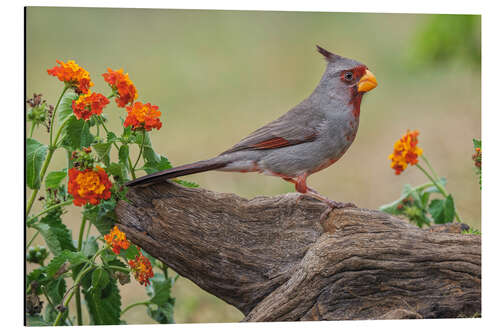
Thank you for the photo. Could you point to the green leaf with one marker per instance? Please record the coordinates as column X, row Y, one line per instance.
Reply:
column 56, row 290
column 90, row 247
column 442, row 211
column 186, row 183
column 35, row 156
column 74, row 258
column 36, row 320
column 130, row 253
column 111, row 137
column 118, row 171
column 123, row 154
column 100, row 278
column 57, row 236
column 103, row 304
column 153, row 166
column 159, row 289
column 477, row 143
column 162, row 314
column 102, row 149
column 77, row 134
column 54, row 178
column 65, row 109
column 148, row 153
column 102, row 216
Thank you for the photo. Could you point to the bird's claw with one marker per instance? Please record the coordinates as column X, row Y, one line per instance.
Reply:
column 339, row 205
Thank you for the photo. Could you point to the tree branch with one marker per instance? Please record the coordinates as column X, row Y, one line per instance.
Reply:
column 278, row 258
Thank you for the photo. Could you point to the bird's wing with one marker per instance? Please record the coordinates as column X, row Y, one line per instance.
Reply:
column 294, row 127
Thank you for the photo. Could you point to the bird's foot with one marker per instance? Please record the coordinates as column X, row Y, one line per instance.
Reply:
column 334, row 205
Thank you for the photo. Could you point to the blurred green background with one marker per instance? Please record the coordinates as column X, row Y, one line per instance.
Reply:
column 218, row 75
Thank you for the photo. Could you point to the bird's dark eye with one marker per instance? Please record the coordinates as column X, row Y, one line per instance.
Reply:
column 348, row 76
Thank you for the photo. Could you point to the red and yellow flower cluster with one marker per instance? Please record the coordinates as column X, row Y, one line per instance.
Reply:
column 122, row 85
column 88, row 186
column 140, row 266
column 117, row 240
column 73, row 75
column 89, row 104
column 405, row 152
column 143, row 116
column 142, row 269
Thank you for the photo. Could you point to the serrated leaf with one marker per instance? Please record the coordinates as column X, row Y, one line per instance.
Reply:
column 449, row 209
column 77, row 134
column 477, row 143
column 57, row 236
column 442, row 211
column 50, row 237
column 65, row 109
column 118, row 170
column 130, row 253
column 186, row 183
column 123, row 154
column 102, row 216
column 103, row 304
column 35, row 156
column 159, row 289
column 90, row 247
column 74, row 258
column 56, row 290
column 102, row 149
column 100, row 278
column 111, row 137
column 154, row 166
column 36, row 320
column 148, row 152
column 162, row 314
column 54, row 178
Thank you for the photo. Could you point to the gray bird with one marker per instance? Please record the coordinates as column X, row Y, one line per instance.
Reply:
column 310, row 137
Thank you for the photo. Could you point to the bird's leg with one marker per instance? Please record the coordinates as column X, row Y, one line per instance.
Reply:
column 301, row 187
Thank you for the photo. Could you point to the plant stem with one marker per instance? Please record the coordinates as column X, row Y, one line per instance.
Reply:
column 32, row 129
column 62, row 204
column 32, row 239
column 119, row 268
column 70, row 296
column 142, row 147
column 116, row 146
column 52, row 149
column 430, row 167
column 55, row 112
column 439, row 187
column 78, row 300
column 133, row 305
column 42, row 175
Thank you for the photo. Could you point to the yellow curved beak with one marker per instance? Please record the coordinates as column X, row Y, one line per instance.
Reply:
column 367, row 82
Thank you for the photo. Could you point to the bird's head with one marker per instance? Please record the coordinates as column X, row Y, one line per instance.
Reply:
column 345, row 80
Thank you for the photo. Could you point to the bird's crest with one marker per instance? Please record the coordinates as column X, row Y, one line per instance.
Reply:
column 329, row 56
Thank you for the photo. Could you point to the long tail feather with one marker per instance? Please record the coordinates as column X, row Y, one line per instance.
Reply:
column 182, row 170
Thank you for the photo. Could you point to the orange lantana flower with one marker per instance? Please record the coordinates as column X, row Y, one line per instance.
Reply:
column 405, row 152
column 89, row 104
column 142, row 269
column 72, row 74
column 117, row 240
column 143, row 116
column 121, row 83
column 88, row 186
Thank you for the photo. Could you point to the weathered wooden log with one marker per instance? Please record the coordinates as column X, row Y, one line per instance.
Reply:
column 280, row 258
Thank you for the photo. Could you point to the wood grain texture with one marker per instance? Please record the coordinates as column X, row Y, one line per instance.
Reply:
column 280, row 258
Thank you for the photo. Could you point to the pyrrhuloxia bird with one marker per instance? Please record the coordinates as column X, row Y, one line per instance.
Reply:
column 308, row 138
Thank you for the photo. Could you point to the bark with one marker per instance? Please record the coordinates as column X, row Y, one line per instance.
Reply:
column 283, row 258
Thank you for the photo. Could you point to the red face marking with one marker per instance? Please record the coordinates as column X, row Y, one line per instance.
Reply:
column 357, row 73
